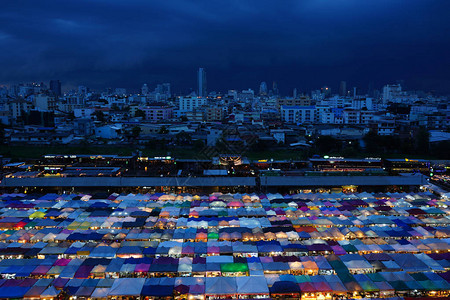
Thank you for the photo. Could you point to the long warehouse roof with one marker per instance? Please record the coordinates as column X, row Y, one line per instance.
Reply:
column 214, row 181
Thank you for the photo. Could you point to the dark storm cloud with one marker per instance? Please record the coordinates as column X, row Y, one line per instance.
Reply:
column 302, row 44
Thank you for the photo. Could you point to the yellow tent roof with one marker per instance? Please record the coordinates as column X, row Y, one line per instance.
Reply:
column 37, row 215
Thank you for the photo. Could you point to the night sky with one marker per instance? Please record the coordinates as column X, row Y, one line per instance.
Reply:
column 304, row 43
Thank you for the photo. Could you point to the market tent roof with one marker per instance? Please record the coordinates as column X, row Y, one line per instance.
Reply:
column 197, row 289
column 13, row 291
column 233, row 267
column 35, row 291
column 247, row 285
column 284, row 287
column 410, row 263
column 220, row 286
column 127, row 287
column 50, row 292
column 100, row 292
column 157, row 290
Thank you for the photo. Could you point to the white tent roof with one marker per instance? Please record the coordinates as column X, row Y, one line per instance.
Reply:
column 127, row 287
column 252, row 285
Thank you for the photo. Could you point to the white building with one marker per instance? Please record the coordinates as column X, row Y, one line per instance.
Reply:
column 351, row 116
column 83, row 112
column 324, row 115
column 298, row 114
column 191, row 103
column 384, row 125
column 45, row 102
column 367, row 116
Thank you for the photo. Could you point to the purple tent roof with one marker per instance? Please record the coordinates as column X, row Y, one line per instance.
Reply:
column 197, row 289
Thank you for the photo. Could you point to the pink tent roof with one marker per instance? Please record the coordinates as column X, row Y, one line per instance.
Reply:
column 142, row 268
column 41, row 270
column 187, row 250
column 322, row 286
column 213, row 249
column 307, row 287
column 62, row 262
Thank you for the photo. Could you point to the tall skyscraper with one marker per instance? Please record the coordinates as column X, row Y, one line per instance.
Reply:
column 326, row 91
column 391, row 92
column 201, row 80
column 263, row 88
column 275, row 89
column 144, row 89
column 82, row 90
column 55, row 87
column 343, row 88
column 164, row 89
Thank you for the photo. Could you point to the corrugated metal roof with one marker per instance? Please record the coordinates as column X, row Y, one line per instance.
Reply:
column 129, row 181
column 342, row 180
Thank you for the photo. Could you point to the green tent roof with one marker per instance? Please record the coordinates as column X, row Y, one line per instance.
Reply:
column 223, row 213
column 233, row 267
column 349, row 248
column 399, row 285
column 368, row 286
column 376, row 277
column 419, row 276
column 302, row 278
column 213, row 236
column 429, row 285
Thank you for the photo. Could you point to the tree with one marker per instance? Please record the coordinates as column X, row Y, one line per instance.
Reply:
column 163, row 130
column 2, row 133
column 135, row 131
column 371, row 142
column 326, row 144
column 139, row 113
column 198, row 144
column 182, row 137
column 100, row 116
column 422, row 138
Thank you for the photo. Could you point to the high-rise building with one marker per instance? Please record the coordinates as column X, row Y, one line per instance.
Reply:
column 191, row 103
column 82, row 90
column 44, row 102
column 201, row 80
column 325, row 91
column 343, row 89
column 275, row 89
column 55, row 87
column 163, row 89
column 120, row 91
column 144, row 89
column 263, row 88
column 391, row 92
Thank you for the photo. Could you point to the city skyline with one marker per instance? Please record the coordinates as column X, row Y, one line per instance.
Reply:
column 260, row 89
column 299, row 45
